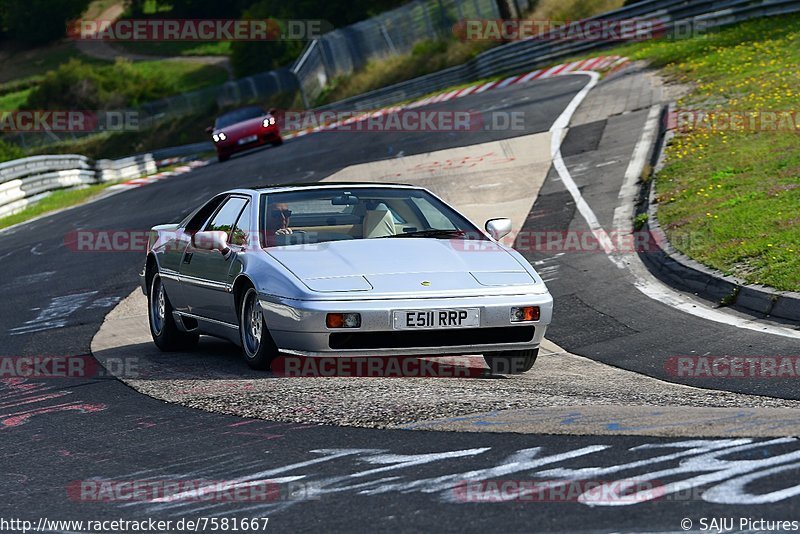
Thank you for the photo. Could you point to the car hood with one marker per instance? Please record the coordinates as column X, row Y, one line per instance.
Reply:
column 242, row 128
column 403, row 266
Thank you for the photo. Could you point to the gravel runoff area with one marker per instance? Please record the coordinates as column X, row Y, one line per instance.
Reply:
column 215, row 378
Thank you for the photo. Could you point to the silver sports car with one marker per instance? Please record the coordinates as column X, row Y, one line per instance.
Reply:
column 343, row 269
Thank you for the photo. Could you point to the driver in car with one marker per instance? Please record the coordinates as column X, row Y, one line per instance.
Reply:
column 278, row 219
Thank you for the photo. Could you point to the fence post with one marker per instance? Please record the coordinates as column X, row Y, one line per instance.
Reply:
column 388, row 38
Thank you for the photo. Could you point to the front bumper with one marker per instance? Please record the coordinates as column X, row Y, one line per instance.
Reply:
column 264, row 136
column 298, row 327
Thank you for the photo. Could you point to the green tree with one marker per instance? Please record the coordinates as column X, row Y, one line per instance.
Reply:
column 39, row 21
column 250, row 57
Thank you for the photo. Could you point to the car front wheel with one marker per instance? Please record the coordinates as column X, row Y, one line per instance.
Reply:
column 258, row 347
column 166, row 334
column 511, row 362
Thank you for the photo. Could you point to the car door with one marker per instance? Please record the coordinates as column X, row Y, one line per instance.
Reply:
column 205, row 275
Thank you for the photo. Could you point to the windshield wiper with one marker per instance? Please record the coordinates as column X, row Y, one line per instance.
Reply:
column 443, row 234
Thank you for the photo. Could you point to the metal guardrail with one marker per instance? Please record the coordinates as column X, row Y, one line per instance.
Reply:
column 345, row 50
column 25, row 180
column 674, row 17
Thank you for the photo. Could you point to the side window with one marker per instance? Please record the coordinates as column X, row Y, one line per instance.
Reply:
column 242, row 228
column 199, row 217
column 225, row 218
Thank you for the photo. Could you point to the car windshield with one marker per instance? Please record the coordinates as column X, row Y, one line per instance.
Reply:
column 238, row 115
column 315, row 216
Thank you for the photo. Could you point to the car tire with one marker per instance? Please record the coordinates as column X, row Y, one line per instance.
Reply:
column 258, row 347
column 278, row 141
column 512, row 362
column 166, row 334
column 222, row 158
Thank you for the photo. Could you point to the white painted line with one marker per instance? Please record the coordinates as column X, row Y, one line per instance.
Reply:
column 551, row 71
column 571, row 67
column 531, row 75
column 559, row 69
column 557, row 132
column 450, row 95
column 485, row 87
column 643, row 280
column 508, row 81
column 468, row 90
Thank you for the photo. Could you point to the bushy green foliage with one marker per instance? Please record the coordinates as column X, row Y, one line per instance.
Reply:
column 9, row 152
column 78, row 85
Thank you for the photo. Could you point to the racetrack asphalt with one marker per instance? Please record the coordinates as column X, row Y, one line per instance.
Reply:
column 59, row 431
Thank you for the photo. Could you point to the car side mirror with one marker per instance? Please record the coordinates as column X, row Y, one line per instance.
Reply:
column 212, row 240
column 498, row 228
column 210, row 129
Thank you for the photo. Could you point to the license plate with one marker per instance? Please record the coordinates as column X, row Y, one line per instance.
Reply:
column 248, row 139
column 431, row 319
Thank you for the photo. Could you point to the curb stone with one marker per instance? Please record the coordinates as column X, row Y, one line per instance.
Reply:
column 682, row 272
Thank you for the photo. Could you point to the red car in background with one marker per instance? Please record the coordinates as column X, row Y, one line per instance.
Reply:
column 242, row 129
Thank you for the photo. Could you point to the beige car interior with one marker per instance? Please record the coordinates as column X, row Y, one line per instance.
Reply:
column 377, row 222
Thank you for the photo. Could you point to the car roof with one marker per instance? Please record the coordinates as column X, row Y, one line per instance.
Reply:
column 322, row 185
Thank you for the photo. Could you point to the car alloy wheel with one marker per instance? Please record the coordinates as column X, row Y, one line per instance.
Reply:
column 158, row 306
column 253, row 326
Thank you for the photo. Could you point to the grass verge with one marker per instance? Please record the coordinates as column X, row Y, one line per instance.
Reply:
column 730, row 198
column 177, row 48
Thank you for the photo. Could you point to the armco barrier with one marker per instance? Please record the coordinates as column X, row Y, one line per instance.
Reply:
column 22, row 181
column 126, row 168
column 674, row 17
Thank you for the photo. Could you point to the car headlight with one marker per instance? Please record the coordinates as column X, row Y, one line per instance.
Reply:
column 269, row 121
column 215, row 137
column 222, row 136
